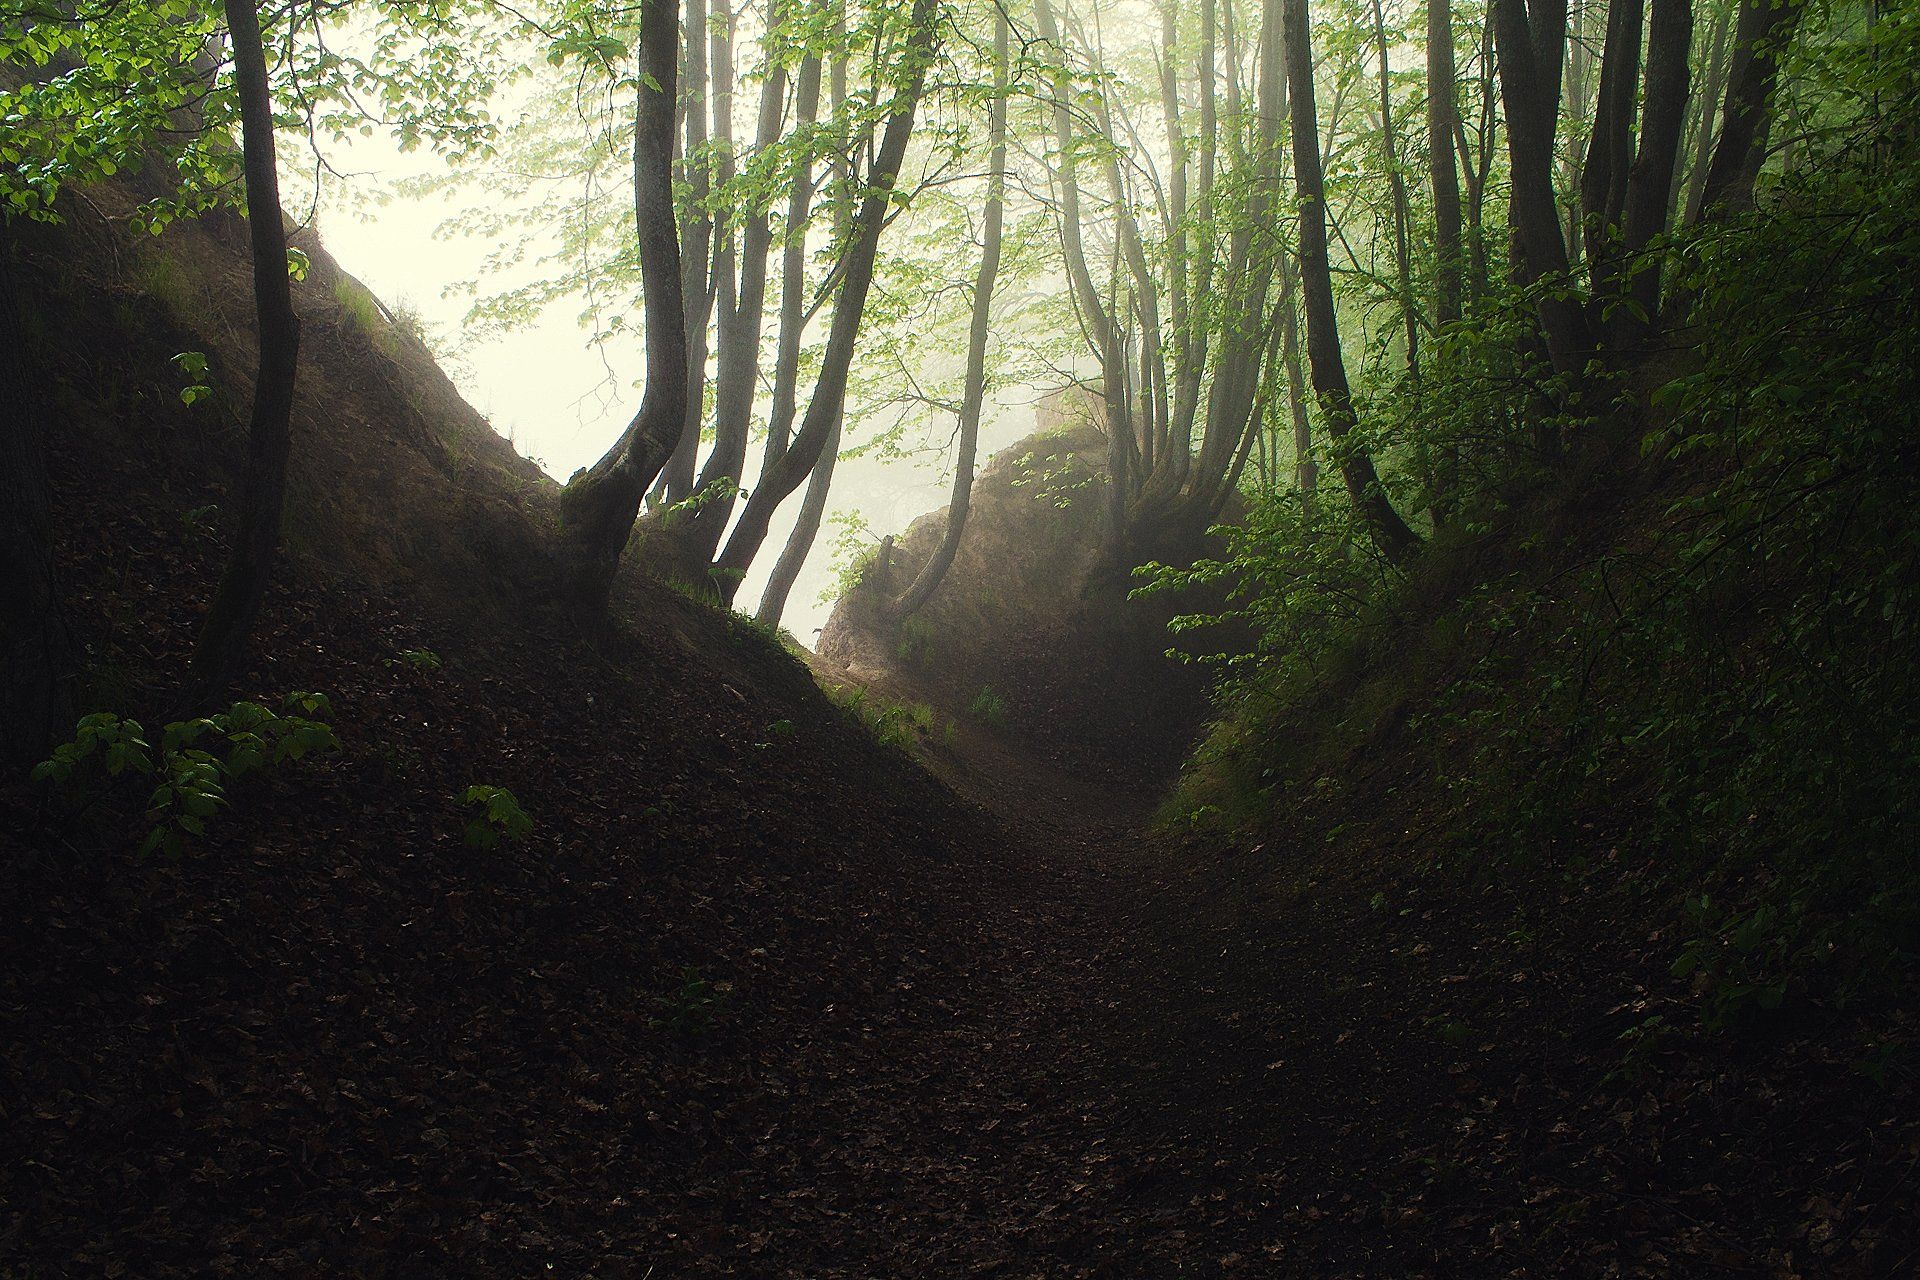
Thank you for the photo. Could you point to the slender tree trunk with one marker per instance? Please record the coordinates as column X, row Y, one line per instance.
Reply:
column 974, row 395
column 793, row 556
column 1067, row 175
column 696, row 260
column 1178, row 233
column 737, row 370
column 1603, row 180
column 1102, row 323
column 813, row 505
column 793, row 278
column 830, row 387
column 35, row 646
column 1479, row 273
column 1390, row 533
column 1175, row 455
column 1709, row 99
column 236, row 602
column 1765, row 27
column 1246, row 316
column 1306, row 471
column 598, row 506
column 1443, row 121
column 1650, row 185
column 1397, row 186
column 722, row 284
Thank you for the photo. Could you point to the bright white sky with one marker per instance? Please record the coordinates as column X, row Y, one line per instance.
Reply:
column 546, row 390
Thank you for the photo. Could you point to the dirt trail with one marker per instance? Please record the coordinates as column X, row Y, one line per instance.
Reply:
column 1069, row 1124
column 1169, row 1061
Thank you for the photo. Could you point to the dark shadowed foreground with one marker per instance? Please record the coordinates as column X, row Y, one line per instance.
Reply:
column 757, row 997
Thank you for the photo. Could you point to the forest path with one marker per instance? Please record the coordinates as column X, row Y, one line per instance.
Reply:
column 1110, row 1084
column 1171, row 1057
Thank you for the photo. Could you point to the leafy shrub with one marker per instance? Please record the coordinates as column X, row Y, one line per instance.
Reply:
column 1054, row 480
column 196, row 761
column 855, row 547
column 193, row 365
column 421, row 660
column 498, row 817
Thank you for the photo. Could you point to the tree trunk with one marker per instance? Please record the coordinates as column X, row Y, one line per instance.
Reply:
column 1479, row 274
column 793, row 556
column 1246, row 316
column 823, row 410
column 34, row 643
column 1443, row 117
column 1530, row 53
column 1650, row 185
column 1102, row 323
column 813, row 505
column 1603, row 180
column 598, row 506
column 1306, row 470
column 696, row 258
column 236, row 602
column 1709, row 97
column 737, row 369
column 1390, row 533
column 1183, row 401
column 1397, row 186
column 972, row 398
column 1764, row 27
column 793, row 278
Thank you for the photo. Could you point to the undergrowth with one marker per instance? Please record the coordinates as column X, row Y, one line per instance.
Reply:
column 1704, row 653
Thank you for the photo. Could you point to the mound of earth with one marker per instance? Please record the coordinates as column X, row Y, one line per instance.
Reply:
column 332, row 1036
column 1031, row 639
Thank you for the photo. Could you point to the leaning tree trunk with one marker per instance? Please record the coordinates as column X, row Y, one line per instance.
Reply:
column 236, row 602
column 1397, row 185
column 1390, row 533
column 34, row 643
column 793, row 556
column 793, row 277
column 813, row 504
column 1306, row 470
column 928, row 579
column 829, row 389
column 1764, row 27
column 598, row 506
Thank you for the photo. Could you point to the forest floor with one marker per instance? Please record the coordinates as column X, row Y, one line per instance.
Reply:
column 1067, row 1051
column 770, row 1003
column 759, row 998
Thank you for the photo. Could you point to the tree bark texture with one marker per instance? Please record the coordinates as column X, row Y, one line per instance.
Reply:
column 598, row 506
